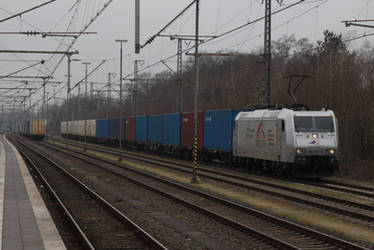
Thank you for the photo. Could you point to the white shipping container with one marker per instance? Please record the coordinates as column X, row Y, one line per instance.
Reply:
column 75, row 128
column 63, row 127
column 81, row 128
column 91, row 128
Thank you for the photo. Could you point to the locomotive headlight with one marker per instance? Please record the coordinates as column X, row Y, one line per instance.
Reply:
column 332, row 151
column 315, row 136
column 299, row 151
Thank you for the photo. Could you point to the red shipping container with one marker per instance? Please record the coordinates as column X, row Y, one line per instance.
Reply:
column 188, row 129
column 130, row 128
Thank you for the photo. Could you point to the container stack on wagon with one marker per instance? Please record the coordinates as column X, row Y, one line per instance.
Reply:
column 130, row 130
column 141, row 130
column 165, row 133
column 171, row 130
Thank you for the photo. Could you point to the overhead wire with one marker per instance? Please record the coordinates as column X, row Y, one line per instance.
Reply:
column 87, row 25
column 105, row 6
column 217, row 37
column 280, row 25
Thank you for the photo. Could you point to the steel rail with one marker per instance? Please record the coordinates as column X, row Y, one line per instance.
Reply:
column 342, row 188
column 315, row 234
column 141, row 232
column 336, row 210
column 257, row 234
column 69, row 217
column 346, row 185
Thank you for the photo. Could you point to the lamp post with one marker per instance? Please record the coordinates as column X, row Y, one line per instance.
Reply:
column 120, row 101
column 85, row 113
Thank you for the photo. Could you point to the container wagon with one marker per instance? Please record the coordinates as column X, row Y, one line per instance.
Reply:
column 34, row 129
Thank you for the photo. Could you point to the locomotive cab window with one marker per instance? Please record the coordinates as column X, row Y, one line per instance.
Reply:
column 303, row 124
column 313, row 124
column 324, row 124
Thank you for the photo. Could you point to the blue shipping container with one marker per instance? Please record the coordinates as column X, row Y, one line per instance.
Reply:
column 114, row 128
column 102, row 128
column 171, row 129
column 218, row 129
column 155, row 129
column 141, row 128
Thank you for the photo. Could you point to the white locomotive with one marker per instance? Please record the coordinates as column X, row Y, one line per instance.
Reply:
column 284, row 141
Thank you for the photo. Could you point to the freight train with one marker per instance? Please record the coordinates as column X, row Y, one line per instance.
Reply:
column 283, row 141
column 33, row 129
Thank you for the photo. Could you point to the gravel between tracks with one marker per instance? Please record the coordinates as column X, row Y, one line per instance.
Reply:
column 101, row 227
column 174, row 225
column 243, row 218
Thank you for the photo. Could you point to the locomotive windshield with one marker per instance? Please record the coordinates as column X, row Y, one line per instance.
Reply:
column 313, row 124
column 304, row 124
column 324, row 124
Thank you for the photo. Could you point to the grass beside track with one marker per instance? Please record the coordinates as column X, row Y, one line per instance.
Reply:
column 287, row 211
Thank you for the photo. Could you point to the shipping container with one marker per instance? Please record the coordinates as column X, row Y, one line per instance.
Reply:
column 130, row 127
column 218, row 129
column 70, row 127
column 171, row 129
column 114, row 128
column 141, row 128
column 63, row 127
column 28, row 127
column 91, row 128
column 188, row 129
column 37, row 127
column 41, row 127
column 102, row 128
column 78, row 128
column 155, row 129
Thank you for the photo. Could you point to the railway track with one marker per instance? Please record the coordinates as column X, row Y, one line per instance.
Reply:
column 297, row 236
column 97, row 223
column 338, row 206
column 362, row 191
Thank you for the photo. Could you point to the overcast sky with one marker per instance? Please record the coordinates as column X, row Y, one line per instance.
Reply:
column 308, row 19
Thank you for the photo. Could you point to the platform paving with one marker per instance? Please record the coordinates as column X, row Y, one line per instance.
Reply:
column 25, row 221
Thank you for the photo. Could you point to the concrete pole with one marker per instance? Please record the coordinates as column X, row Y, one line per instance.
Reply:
column 85, row 113
column 195, row 177
column 79, row 103
column 135, row 87
column 120, row 100
column 29, row 116
column 67, row 97
column 46, row 120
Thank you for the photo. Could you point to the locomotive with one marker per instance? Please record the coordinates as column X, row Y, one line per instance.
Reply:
column 285, row 141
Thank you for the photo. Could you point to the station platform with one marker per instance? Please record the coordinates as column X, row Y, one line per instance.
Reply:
column 25, row 222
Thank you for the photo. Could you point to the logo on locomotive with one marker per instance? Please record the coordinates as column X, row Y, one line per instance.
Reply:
column 260, row 138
